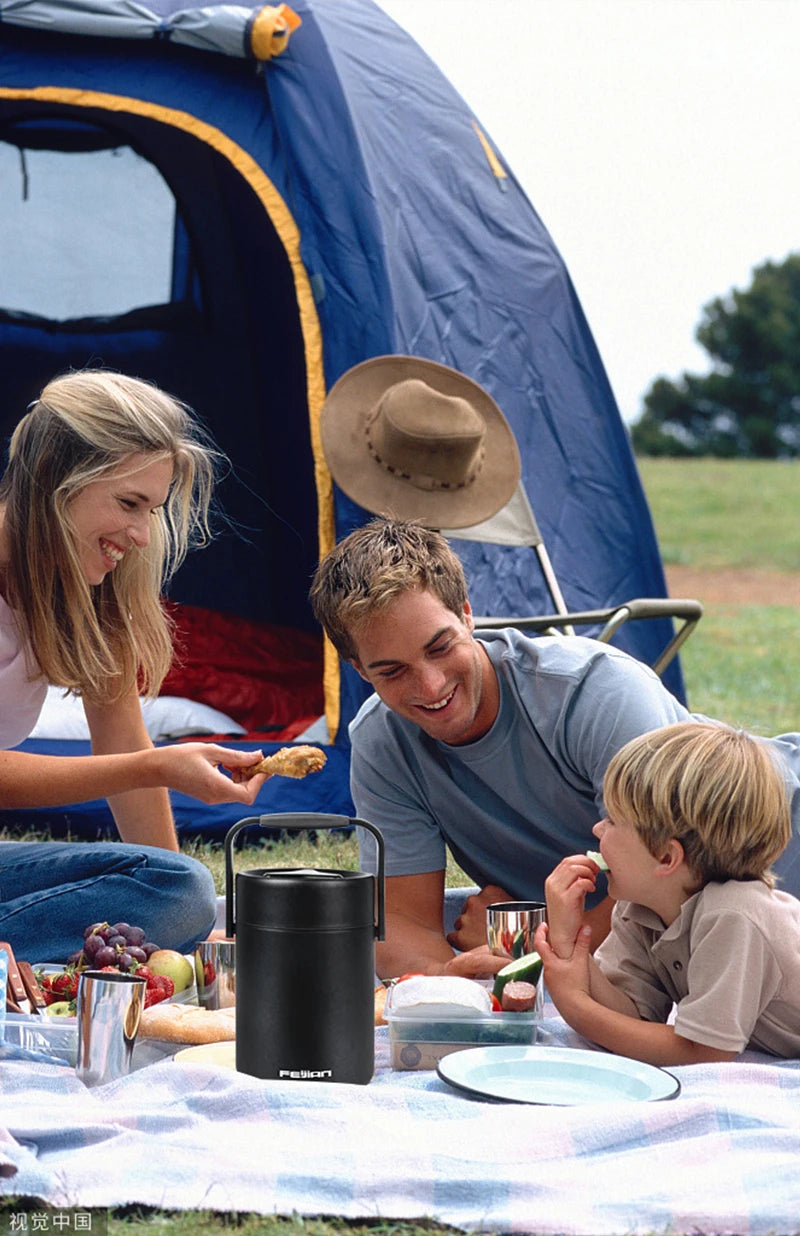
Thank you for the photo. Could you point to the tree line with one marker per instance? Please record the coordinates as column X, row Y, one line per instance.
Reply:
column 749, row 402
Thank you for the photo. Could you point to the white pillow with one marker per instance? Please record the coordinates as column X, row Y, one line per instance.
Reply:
column 169, row 716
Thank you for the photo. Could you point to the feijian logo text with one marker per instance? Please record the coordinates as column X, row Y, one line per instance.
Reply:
column 305, row 1074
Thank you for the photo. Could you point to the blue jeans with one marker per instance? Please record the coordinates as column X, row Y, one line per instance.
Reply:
column 51, row 890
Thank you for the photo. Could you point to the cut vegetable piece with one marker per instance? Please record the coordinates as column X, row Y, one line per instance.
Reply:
column 597, row 857
column 524, row 969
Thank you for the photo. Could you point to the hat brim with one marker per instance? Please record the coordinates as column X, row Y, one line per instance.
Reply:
column 367, row 482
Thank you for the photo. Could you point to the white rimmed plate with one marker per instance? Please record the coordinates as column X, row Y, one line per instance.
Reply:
column 557, row 1076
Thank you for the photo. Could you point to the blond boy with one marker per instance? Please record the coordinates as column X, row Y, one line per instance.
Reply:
column 697, row 814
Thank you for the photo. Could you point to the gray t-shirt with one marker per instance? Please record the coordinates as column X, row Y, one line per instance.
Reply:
column 512, row 804
column 730, row 961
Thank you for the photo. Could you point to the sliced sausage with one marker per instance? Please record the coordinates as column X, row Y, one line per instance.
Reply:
column 518, row 997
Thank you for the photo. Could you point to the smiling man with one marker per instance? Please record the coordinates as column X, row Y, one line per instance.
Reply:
column 490, row 743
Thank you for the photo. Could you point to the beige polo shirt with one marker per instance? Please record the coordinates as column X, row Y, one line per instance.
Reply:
column 730, row 962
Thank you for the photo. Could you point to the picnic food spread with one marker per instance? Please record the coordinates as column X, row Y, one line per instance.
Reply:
column 428, row 1015
column 290, row 762
column 117, row 947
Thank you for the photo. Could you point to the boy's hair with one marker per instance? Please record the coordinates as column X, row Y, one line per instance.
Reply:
column 373, row 566
column 717, row 790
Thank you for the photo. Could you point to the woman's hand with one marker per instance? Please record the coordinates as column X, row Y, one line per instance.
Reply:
column 565, row 892
column 194, row 768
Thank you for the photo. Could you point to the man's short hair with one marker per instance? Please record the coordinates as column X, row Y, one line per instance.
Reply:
column 372, row 567
column 717, row 790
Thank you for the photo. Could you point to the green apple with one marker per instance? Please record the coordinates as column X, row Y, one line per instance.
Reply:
column 174, row 965
column 61, row 1008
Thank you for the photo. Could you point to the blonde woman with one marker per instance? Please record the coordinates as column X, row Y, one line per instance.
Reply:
column 108, row 485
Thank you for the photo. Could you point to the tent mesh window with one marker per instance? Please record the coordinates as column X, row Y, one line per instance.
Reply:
column 107, row 249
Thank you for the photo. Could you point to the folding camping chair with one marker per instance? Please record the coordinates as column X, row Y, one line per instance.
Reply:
column 516, row 524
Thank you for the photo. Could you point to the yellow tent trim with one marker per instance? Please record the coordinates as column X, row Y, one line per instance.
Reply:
column 289, row 235
column 494, row 163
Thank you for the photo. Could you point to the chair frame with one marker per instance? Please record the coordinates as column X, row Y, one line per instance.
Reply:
column 609, row 619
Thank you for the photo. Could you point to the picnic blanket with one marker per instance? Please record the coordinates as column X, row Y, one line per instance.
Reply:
column 722, row 1157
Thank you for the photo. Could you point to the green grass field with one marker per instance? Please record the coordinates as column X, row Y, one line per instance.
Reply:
column 742, row 662
column 740, row 665
column 715, row 513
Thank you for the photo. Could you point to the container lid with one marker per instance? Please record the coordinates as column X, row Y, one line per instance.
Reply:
column 302, row 871
column 304, row 899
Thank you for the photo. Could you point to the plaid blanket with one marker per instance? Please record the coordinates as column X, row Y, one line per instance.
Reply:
column 722, row 1157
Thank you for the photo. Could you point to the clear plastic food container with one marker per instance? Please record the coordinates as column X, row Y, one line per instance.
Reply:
column 420, row 1042
column 56, row 1036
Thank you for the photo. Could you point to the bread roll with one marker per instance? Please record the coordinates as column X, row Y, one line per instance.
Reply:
column 380, row 1004
column 187, row 1023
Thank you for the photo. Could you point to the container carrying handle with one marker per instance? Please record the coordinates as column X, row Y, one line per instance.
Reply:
column 297, row 821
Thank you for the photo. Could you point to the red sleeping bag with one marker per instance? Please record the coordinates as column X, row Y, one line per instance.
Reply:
column 267, row 678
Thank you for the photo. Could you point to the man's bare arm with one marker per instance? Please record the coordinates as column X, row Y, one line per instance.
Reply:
column 415, row 934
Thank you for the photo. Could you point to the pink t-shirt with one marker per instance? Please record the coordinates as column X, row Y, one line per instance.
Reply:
column 21, row 697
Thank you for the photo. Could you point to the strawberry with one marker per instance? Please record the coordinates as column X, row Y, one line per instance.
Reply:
column 159, row 988
column 61, row 986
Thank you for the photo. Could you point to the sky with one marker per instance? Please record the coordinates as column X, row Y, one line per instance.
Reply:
column 657, row 140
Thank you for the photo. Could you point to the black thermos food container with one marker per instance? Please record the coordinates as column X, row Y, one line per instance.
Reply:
column 305, row 962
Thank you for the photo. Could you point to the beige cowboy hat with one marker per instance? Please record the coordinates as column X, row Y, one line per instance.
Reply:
column 413, row 439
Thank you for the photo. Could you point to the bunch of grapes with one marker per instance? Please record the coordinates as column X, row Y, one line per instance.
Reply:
column 119, row 945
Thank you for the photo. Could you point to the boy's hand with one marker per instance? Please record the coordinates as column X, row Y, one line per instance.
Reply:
column 567, row 978
column 565, row 891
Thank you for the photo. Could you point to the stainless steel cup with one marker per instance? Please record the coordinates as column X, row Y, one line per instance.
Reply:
column 215, row 973
column 109, row 1010
column 511, row 926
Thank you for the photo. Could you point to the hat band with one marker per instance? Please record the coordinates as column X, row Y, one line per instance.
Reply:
column 422, row 480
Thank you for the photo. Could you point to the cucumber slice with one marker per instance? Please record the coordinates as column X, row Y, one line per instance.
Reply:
column 597, row 857
column 526, row 969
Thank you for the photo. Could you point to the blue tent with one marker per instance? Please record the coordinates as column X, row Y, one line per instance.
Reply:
column 267, row 197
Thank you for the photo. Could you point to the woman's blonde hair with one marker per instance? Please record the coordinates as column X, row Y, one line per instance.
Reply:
column 372, row 567
column 99, row 641
column 718, row 790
